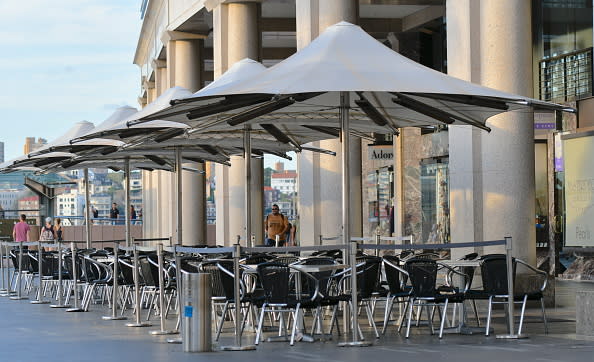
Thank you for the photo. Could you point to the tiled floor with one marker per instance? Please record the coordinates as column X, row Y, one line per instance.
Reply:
column 38, row 333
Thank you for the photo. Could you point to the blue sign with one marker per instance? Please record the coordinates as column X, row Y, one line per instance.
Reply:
column 188, row 311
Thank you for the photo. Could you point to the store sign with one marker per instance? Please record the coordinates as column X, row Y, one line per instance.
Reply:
column 380, row 153
column 544, row 120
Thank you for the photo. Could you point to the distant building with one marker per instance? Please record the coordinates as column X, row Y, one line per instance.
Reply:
column 29, row 203
column 70, row 204
column 9, row 200
column 31, row 144
column 285, row 182
column 1, row 152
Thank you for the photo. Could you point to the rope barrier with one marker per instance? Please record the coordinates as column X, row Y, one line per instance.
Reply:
column 431, row 246
column 189, row 249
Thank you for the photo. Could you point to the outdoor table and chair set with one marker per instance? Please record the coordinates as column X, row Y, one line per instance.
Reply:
column 296, row 292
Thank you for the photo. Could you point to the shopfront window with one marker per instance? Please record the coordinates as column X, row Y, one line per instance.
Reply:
column 435, row 201
column 380, row 199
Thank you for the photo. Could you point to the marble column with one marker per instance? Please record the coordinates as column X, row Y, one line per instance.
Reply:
column 237, row 35
column 508, row 151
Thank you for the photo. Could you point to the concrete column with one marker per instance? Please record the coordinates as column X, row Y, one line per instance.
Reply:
column 508, row 151
column 465, row 168
column 320, row 199
column 185, row 65
column 237, row 35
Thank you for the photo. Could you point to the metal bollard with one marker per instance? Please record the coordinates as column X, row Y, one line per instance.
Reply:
column 196, row 326
column 39, row 299
column 19, row 295
column 60, row 288
column 114, row 296
column 377, row 242
column 161, row 331
column 178, row 281
column 4, row 289
column 138, row 323
column 76, row 307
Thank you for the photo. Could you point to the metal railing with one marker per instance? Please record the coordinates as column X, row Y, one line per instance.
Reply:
column 567, row 77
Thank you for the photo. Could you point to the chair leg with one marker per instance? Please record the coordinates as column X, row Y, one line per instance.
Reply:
column 411, row 305
column 402, row 316
column 260, row 321
column 544, row 316
column 294, row 329
column 387, row 311
column 443, row 318
column 370, row 318
column 489, row 316
column 522, row 314
column 478, row 320
column 221, row 321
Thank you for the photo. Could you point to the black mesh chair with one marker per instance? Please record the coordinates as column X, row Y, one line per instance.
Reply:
column 279, row 297
column 396, row 278
column 494, row 275
column 425, row 293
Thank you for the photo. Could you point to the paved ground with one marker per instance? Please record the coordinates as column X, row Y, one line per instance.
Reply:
column 38, row 333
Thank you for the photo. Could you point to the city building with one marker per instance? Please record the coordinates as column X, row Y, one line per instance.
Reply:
column 1, row 152
column 438, row 184
column 29, row 203
column 70, row 204
column 31, row 144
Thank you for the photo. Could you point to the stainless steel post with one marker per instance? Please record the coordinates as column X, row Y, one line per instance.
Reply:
column 345, row 104
column 39, row 299
column 162, row 331
column 87, row 210
column 510, row 292
column 247, row 158
column 19, row 295
column 76, row 307
column 127, row 213
column 115, row 286
column 138, row 323
column 4, row 290
column 178, row 189
column 378, row 239
column 237, row 297
column 178, row 281
column 60, row 287
column 196, row 328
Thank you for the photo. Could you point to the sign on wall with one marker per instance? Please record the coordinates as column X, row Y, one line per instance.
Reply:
column 579, row 190
column 380, row 153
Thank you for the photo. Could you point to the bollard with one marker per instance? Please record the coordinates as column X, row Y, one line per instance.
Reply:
column 76, row 308
column 378, row 239
column 3, row 290
column 39, row 299
column 161, row 331
column 237, row 297
column 510, row 293
column 138, row 323
column 19, row 295
column 114, row 292
column 196, row 326
column 178, row 281
column 60, row 291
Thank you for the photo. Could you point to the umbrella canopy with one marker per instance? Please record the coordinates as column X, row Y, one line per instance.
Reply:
column 390, row 89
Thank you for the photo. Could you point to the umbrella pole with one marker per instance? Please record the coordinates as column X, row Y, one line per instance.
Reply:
column 346, row 217
column 178, row 188
column 87, row 209
column 127, row 213
column 247, row 157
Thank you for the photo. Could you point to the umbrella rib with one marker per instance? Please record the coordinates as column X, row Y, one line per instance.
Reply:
column 373, row 113
column 279, row 135
column 465, row 99
column 227, row 104
column 435, row 113
column 260, row 110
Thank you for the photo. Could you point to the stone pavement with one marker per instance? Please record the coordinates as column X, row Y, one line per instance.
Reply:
column 39, row 333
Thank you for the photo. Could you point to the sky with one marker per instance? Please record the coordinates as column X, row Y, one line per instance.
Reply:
column 65, row 61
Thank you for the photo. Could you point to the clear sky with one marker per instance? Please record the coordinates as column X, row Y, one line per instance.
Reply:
column 65, row 61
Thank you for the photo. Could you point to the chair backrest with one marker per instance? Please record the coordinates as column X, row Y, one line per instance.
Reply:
column 469, row 270
column 256, row 259
column 126, row 269
column 323, row 277
column 494, row 274
column 216, row 282
column 228, row 279
column 393, row 275
column 146, row 274
column 286, row 259
column 368, row 277
column 275, row 282
column 423, row 276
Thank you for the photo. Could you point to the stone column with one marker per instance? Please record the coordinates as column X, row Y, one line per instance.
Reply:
column 320, row 199
column 465, row 167
column 508, row 151
column 184, row 66
column 236, row 36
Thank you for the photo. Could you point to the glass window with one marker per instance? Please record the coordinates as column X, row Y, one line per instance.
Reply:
column 435, row 201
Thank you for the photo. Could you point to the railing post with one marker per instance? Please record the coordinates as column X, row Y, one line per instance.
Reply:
column 510, row 292
column 19, row 295
column 136, row 273
column 115, row 285
column 76, row 308
column 161, row 267
column 39, row 299
column 60, row 287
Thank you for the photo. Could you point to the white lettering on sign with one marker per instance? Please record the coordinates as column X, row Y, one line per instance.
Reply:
column 380, row 153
